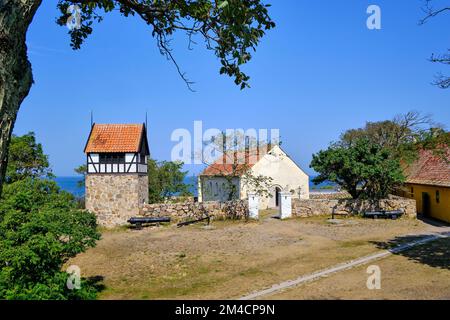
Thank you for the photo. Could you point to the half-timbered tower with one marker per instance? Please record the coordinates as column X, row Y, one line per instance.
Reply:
column 116, row 180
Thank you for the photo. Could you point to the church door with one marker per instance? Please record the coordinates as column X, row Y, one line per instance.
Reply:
column 277, row 196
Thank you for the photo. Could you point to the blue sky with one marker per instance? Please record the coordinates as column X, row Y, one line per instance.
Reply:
column 318, row 73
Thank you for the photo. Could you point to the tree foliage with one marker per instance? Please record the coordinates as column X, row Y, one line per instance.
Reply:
column 365, row 169
column 82, row 171
column 40, row 229
column 230, row 28
column 368, row 161
column 166, row 179
column 402, row 136
column 26, row 159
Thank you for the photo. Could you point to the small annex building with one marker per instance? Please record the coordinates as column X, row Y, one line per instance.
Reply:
column 428, row 182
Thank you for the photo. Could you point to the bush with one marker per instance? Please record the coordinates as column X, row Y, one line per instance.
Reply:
column 40, row 230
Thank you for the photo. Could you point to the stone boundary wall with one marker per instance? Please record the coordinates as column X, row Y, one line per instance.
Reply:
column 329, row 195
column 317, row 207
column 194, row 210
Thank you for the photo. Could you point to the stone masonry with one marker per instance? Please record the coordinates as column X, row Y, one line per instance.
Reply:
column 189, row 210
column 317, row 207
column 115, row 198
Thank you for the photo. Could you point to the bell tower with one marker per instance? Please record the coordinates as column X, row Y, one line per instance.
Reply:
column 116, row 179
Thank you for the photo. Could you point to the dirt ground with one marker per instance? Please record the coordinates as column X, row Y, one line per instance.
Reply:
column 231, row 259
column 420, row 273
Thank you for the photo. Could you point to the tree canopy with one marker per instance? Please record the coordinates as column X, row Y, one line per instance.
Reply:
column 364, row 169
column 403, row 136
column 26, row 159
column 230, row 28
column 166, row 179
column 40, row 229
column 81, row 170
column 368, row 162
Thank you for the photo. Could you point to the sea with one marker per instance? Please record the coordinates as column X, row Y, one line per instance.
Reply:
column 74, row 186
column 71, row 184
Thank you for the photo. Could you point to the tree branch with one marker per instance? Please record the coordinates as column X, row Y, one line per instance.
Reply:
column 230, row 28
column 431, row 12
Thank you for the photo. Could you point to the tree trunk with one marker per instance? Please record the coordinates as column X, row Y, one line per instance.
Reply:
column 15, row 69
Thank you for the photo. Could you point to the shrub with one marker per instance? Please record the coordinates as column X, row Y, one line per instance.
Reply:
column 40, row 230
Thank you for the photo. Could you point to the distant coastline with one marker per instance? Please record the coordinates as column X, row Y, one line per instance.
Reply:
column 71, row 184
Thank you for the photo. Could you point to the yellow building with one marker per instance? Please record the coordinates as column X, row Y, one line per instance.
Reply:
column 428, row 182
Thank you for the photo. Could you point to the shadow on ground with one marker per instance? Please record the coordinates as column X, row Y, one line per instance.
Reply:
column 96, row 282
column 433, row 222
column 434, row 254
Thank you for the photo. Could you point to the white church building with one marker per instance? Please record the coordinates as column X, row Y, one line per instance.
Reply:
column 271, row 161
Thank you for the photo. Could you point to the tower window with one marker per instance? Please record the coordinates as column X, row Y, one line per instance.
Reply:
column 438, row 196
column 112, row 158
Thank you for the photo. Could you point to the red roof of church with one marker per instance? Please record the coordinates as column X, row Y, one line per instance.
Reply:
column 109, row 138
column 429, row 169
column 225, row 166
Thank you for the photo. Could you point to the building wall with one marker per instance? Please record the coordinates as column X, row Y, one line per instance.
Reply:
column 132, row 164
column 115, row 198
column 216, row 188
column 286, row 175
column 439, row 210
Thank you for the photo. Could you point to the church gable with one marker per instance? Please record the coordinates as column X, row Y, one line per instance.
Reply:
column 278, row 159
column 236, row 162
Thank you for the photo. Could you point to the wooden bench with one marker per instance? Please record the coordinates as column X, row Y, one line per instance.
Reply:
column 138, row 222
column 333, row 214
column 384, row 214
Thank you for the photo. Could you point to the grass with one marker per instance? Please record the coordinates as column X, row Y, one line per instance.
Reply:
column 119, row 229
column 353, row 243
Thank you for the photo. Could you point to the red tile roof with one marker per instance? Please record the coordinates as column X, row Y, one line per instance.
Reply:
column 225, row 166
column 109, row 138
column 429, row 169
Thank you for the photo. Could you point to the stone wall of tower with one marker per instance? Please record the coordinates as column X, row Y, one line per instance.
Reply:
column 115, row 198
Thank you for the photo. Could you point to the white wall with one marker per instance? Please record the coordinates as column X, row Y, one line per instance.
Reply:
column 129, row 157
column 216, row 188
column 285, row 174
column 117, row 168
